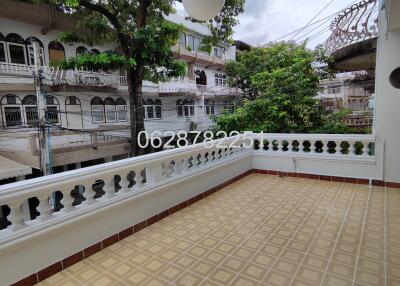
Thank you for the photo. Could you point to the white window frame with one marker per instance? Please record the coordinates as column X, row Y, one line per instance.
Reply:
column 26, row 113
column 9, row 55
column 122, row 109
column 110, row 109
column 153, row 107
column 42, row 58
column 4, row 115
column 99, row 108
column 5, row 51
column 188, row 107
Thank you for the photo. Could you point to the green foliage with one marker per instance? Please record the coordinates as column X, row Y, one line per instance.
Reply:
column 104, row 61
column 282, row 84
column 333, row 123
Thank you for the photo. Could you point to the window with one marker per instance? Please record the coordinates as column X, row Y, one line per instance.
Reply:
column 97, row 110
column 209, row 107
column 229, row 107
column 30, row 105
column 31, row 54
column 192, row 43
column 3, row 57
column 201, row 77
column 52, row 111
column 220, row 80
column 13, row 116
column 122, row 114
column 16, row 49
column 12, row 111
column 56, row 52
column 219, row 51
column 152, row 109
column 110, row 108
column 185, row 108
column 81, row 50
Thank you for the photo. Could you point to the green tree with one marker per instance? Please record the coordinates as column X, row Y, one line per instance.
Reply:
column 144, row 37
column 281, row 84
column 333, row 123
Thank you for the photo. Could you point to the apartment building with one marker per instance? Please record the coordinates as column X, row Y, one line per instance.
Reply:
column 89, row 110
column 353, row 91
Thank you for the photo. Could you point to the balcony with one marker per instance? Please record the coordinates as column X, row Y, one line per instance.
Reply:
column 353, row 41
column 178, row 86
column 210, row 61
column 67, row 147
column 317, row 221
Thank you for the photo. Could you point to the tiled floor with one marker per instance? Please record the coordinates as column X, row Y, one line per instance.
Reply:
column 261, row 230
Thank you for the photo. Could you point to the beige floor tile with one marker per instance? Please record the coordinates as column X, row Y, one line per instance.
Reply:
column 261, row 230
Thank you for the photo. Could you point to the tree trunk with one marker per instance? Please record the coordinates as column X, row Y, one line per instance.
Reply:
column 135, row 83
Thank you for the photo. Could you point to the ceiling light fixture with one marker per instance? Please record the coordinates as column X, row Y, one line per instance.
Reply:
column 203, row 10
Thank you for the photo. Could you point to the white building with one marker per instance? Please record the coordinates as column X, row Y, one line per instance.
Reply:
column 90, row 109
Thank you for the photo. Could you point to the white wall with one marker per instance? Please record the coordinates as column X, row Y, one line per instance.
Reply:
column 388, row 98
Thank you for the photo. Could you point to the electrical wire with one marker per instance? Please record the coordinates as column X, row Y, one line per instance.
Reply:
column 319, row 13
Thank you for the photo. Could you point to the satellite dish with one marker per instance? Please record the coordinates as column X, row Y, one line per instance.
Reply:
column 203, row 10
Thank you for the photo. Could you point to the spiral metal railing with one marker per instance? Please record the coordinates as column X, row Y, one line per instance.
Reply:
column 353, row 25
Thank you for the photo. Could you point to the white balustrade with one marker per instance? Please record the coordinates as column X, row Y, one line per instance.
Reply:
column 85, row 190
column 319, row 144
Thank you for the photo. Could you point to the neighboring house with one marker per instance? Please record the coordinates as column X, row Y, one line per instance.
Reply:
column 353, row 91
column 90, row 109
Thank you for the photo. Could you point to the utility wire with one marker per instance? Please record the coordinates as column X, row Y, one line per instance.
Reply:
column 319, row 13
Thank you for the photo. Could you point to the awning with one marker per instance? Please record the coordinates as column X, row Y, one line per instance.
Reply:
column 12, row 169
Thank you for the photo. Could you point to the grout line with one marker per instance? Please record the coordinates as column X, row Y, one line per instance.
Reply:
column 340, row 230
column 362, row 234
column 303, row 185
column 317, row 232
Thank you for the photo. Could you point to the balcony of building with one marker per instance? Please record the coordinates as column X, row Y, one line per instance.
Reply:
column 67, row 147
column 353, row 41
column 198, row 57
column 321, row 217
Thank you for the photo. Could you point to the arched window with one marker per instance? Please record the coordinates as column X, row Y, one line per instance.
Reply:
column 97, row 106
column 72, row 100
column 95, row 51
column 11, row 110
column 81, row 50
column 122, row 114
column 185, row 108
column 30, row 106
column 3, row 57
column 53, row 109
column 111, row 115
column 153, row 109
column 56, row 52
column 209, row 107
column 16, row 49
column 31, row 55
column 197, row 76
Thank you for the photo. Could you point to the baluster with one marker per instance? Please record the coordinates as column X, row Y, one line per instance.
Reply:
column 44, row 207
column 109, row 187
column 301, row 146
column 312, row 147
column 67, row 201
column 280, row 146
column 89, row 194
column 124, row 183
column 290, row 146
column 351, row 148
column 16, row 216
column 139, row 177
column 365, row 149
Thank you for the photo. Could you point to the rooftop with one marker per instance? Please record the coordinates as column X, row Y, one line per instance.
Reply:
column 260, row 230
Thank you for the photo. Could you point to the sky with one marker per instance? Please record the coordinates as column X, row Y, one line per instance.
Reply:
column 266, row 20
